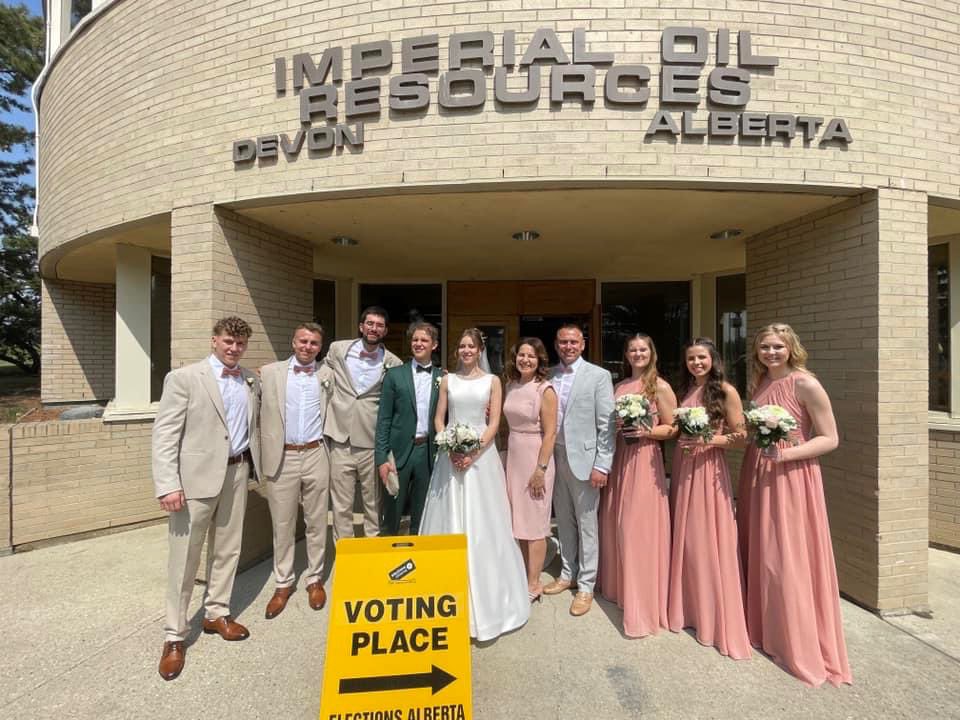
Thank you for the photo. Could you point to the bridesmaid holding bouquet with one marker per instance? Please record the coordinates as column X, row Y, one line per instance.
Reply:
column 793, row 600
column 634, row 508
column 705, row 577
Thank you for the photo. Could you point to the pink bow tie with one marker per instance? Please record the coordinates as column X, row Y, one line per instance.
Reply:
column 567, row 370
column 371, row 355
column 300, row 369
column 230, row 372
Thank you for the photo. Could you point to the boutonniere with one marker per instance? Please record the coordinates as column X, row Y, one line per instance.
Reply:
column 436, row 381
column 249, row 381
column 325, row 384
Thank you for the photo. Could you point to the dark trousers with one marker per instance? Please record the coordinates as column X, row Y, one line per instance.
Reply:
column 414, row 479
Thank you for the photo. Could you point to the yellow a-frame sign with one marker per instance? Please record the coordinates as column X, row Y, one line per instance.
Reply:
column 398, row 643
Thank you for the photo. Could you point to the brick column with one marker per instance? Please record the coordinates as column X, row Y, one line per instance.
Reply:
column 224, row 264
column 851, row 280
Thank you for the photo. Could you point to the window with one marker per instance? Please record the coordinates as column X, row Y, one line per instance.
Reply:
column 938, row 317
column 79, row 9
column 731, row 333
column 325, row 310
column 159, row 324
column 659, row 309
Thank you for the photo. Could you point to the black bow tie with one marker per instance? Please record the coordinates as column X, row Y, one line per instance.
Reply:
column 421, row 368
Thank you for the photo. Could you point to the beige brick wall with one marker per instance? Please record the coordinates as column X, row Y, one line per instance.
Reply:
column 851, row 280
column 78, row 341
column 72, row 477
column 889, row 68
column 224, row 264
column 945, row 488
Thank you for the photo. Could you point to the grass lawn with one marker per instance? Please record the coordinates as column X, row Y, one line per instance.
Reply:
column 19, row 392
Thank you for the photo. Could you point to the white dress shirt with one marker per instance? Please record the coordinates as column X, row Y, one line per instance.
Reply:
column 303, row 416
column 234, row 396
column 563, row 383
column 364, row 372
column 422, row 382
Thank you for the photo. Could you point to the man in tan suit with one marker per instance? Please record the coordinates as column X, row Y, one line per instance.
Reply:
column 204, row 441
column 295, row 462
column 358, row 368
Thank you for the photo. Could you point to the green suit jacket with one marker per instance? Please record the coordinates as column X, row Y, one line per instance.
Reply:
column 397, row 416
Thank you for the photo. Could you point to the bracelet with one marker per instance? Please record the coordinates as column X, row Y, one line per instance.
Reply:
column 541, row 467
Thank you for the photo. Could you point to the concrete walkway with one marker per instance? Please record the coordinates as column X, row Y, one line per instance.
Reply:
column 82, row 637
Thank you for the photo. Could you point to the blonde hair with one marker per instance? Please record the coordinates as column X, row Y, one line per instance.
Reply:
column 797, row 359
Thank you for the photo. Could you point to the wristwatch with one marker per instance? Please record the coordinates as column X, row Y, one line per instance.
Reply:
column 541, row 467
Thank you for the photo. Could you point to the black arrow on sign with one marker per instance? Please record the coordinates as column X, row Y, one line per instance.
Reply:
column 436, row 680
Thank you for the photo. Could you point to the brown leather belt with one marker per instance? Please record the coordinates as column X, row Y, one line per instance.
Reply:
column 237, row 459
column 300, row 448
column 420, row 440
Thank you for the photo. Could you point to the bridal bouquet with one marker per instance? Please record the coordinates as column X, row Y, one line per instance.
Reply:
column 458, row 439
column 693, row 422
column 769, row 424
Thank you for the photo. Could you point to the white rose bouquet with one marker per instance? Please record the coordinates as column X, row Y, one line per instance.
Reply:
column 769, row 424
column 458, row 439
column 693, row 423
column 634, row 411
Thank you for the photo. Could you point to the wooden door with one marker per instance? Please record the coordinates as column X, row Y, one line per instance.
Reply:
column 500, row 333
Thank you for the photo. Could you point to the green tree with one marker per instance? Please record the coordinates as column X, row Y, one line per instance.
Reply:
column 21, row 59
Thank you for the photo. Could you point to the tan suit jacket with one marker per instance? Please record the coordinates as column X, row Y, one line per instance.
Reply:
column 273, row 424
column 353, row 417
column 191, row 443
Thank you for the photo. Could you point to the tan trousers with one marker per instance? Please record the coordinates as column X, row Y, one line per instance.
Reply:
column 349, row 465
column 304, row 478
column 221, row 519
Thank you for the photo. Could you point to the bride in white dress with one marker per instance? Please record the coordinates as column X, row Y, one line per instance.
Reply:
column 468, row 496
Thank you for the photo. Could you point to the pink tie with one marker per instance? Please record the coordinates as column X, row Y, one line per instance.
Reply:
column 299, row 369
column 230, row 372
column 370, row 355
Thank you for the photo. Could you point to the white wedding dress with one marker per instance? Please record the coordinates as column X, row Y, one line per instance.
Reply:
column 475, row 503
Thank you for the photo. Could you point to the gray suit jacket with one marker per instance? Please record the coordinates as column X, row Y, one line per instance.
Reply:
column 191, row 444
column 353, row 417
column 273, row 424
column 588, row 420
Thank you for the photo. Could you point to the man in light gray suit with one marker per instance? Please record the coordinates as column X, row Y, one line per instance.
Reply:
column 583, row 455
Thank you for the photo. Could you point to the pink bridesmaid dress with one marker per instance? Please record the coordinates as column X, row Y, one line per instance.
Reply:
column 531, row 516
column 706, row 589
column 793, row 600
column 634, row 569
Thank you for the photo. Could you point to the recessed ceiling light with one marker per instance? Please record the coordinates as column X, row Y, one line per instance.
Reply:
column 525, row 235
column 726, row 234
column 343, row 241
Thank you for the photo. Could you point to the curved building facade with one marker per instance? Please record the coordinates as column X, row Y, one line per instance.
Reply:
column 643, row 165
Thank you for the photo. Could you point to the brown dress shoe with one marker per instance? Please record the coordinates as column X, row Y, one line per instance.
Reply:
column 581, row 604
column 172, row 659
column 317, row 595
column 226, row 628
column 558, row 586
column 278, row 602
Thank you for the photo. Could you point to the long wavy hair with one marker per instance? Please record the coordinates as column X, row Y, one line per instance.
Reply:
column 797, row 359
column 649, row 375
column 511, row 374
column 714, row 395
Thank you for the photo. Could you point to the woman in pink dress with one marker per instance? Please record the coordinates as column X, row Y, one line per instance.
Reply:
column 706, row 589
column 793, row 601
column 634, row 508
column 530, row 407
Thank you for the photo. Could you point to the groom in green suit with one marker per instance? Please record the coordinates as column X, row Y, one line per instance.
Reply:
column 405, row 428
